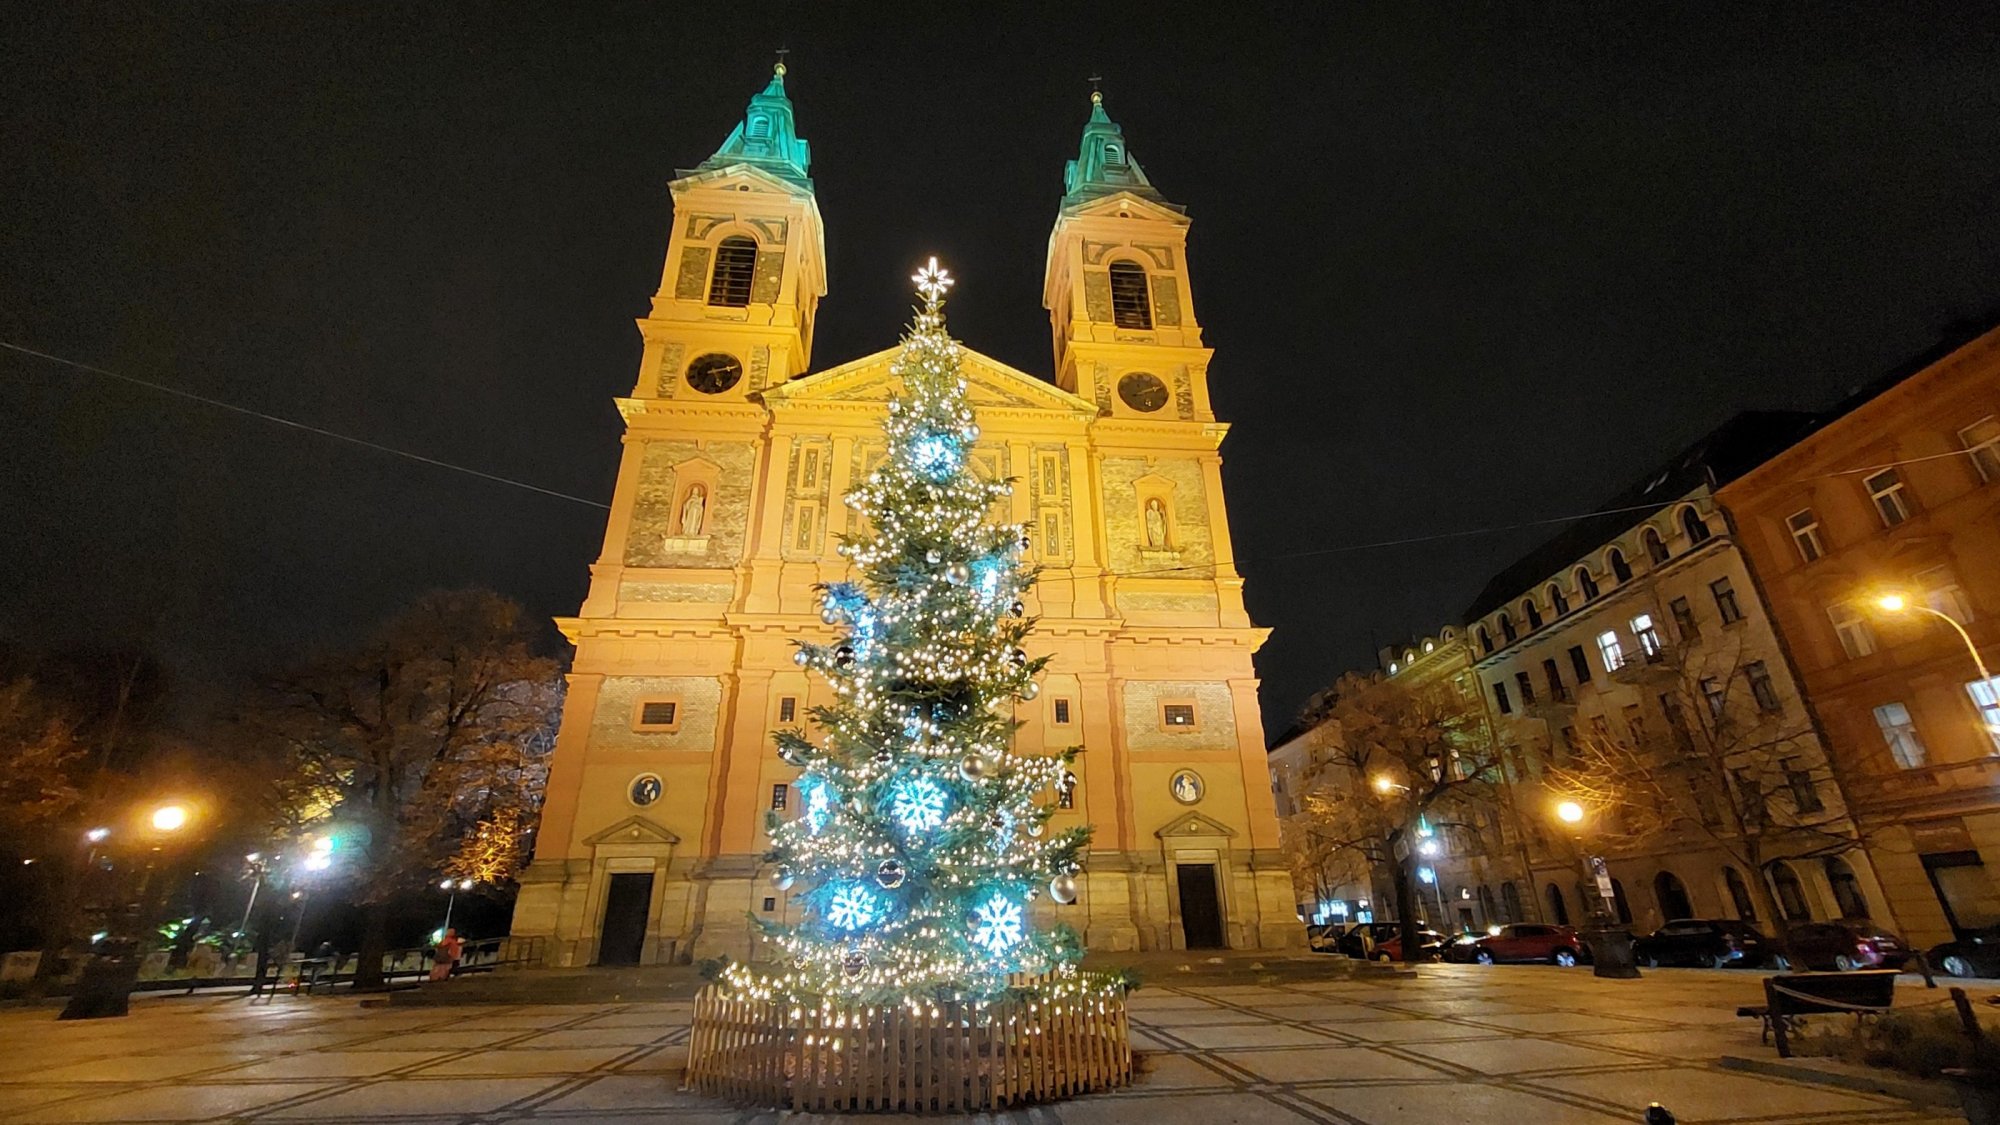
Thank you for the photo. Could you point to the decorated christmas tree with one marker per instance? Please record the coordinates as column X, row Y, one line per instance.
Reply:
column 920, row 842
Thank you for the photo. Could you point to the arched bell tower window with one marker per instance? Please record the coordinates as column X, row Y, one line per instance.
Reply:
column 735, row 262
column 1130, row 307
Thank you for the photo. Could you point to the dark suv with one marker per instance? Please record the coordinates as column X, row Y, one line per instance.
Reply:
column 1713, row 942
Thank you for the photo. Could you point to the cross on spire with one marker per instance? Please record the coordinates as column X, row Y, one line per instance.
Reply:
column 1096, row 95
column 782, row 52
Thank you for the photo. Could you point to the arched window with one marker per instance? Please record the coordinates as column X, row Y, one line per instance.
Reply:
column 1691, row 522
column 1791, row 893
column 735, row 262
column 1585, row 584
column 1656, row 547
column 1130, row 307
column 1485, row 640
column 1620, row 569
column 1558, row 909
column 1846, row 888
column 1510, row 902
column 1533, row 613
column 1739, row 894
column 1556, row 599
column 1672, row 897
column 1507, row 627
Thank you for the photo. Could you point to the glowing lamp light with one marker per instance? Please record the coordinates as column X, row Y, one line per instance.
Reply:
column 1383, row 785
column 1893, row 603
column 319, row 861
column 1493, row 930
column 1428, row 847
column 97, row 835
column 1427, row 875
column 1569, row 812
column 445, row 886
column 170, row 818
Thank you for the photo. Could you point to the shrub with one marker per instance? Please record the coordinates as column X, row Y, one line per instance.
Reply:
column 1920, row 1041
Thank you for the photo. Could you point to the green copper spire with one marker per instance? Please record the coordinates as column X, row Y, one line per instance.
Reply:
column 1103, row 165
column 767, row 137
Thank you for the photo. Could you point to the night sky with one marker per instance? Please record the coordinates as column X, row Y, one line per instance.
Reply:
column 1464, row 266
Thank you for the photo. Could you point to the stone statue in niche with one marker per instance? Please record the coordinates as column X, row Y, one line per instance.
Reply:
column 1156, row 525
column 693, row 510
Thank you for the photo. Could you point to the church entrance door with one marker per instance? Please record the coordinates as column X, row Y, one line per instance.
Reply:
column 628, row 902
column 1201, row 907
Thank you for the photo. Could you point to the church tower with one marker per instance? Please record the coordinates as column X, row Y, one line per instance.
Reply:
column 728, row 510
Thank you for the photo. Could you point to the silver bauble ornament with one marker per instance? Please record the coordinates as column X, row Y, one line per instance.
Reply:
column 1026, row 542
column 1035, row 829
column 1030, row 690
column 972, row 767
column 890, row 874
column 958, row 575
column 1018, row 658
column 855, row 963
column 802, row 658
column 972, row 433
column 1062, row 888
column 843, row 657
column 1017, row 610
column 933, row 557
column 783, row 878
column 829, row 614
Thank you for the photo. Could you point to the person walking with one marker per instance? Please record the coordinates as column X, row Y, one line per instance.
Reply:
column 444, row 960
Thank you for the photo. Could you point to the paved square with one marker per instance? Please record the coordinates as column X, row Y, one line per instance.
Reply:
column 1452, row 1043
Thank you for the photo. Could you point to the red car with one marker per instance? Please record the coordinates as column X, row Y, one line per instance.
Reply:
column 1430, row 947
column 1524, row 941
column 1845, row 945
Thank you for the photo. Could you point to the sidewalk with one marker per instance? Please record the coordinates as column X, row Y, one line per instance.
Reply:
column 1447, row 1044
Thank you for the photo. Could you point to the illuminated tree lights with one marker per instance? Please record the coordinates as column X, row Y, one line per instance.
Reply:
column 920, row 839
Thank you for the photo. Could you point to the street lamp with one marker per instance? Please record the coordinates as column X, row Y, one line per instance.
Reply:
column 1610, row 944
column 170, row 818
column 453, row 886
column 1569, row 812
column 1897, row 603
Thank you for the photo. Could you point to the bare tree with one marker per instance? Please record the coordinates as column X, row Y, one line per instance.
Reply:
column 1384, row 762
column 1711, row 754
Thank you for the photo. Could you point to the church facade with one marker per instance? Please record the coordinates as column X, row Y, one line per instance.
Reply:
column 727, row 512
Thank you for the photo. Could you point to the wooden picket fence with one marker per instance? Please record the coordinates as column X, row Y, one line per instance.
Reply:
column 944, row 1058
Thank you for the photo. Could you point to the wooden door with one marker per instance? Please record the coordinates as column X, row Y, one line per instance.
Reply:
column 1201, row 906
column 628, row 905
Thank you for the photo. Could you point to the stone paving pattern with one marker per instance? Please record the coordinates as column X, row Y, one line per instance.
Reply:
column 1456, row 1044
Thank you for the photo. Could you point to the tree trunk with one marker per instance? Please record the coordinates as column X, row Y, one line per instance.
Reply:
column 374, row 948
column 1406, row 908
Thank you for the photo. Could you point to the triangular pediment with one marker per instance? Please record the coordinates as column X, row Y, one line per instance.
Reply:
column 633, row 830
column 1195, row 824
column 736, row 177
column 989, row 383
column 1117, row 203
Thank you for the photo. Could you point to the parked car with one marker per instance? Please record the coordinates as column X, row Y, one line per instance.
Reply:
column 1712, row 942
column 1844, row 945
column 1378, row 932
column 1461, row 949
column 1530, row 941
column 1430, row 946
column 1324, row 938
column 1977, row 954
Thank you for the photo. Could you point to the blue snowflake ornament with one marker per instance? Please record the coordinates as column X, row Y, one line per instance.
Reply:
column 918, row 805
column 853, row 907
column 998, row 924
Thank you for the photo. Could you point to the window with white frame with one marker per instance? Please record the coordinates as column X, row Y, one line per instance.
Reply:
column 1648, row 638
column 1943, row 593
column 1982, row 444
column 1610, row 650
column 1986, row 696
column 1899, row 731
column 1804, row 526
column 1892, row 502
column 1856, row 638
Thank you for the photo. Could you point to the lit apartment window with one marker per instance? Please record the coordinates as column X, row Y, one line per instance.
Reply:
column 788, row 708
column 1527, row 687
column 1762, row 689
column 1725, row 600
column 1892, row 503
column 1804, row 527
column 1899, row 731
column 1579, row 664
column 1610, row 650
column 1856, row 638
column 1986, row 696
column 1982, row 444
column 1648, row 638
column 1943, row 593
column 1684, row 622
column 1500, row 699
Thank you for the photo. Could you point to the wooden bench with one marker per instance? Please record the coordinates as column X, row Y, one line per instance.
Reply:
column 1788, row 996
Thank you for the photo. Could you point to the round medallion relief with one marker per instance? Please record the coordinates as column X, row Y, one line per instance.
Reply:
column 1143, row 391
column 1187, row 787
column 714, row 373
column 645, row 789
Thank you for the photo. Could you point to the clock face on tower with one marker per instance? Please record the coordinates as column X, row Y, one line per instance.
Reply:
column 1142, row 391
column 714, row 373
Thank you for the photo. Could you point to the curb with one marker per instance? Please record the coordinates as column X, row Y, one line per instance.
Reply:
column 1804, row 1070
